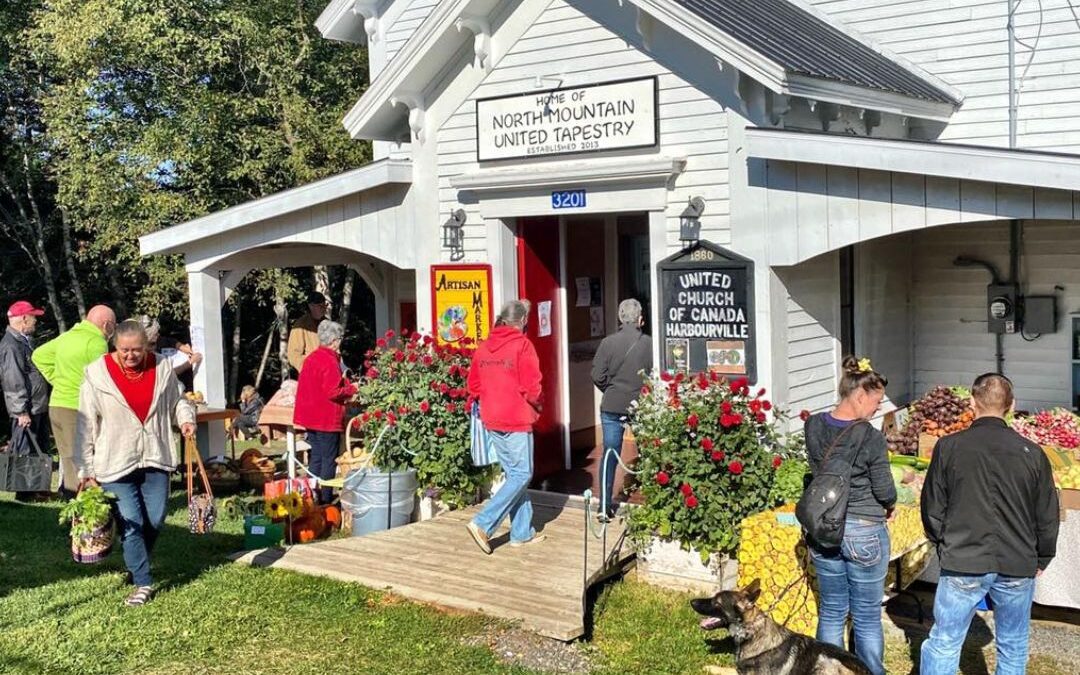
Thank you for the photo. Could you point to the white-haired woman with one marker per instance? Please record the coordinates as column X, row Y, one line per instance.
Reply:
column 129, row 405
column 321, row 394
column 616, row 371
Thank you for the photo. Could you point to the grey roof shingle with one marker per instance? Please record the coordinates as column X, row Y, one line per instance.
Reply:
column 802, row 43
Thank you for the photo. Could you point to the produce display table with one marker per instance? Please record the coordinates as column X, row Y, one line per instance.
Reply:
column 205, row 415
column 774, row 552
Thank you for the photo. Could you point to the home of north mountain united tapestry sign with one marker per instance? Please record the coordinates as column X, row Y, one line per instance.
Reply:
column 707, row 312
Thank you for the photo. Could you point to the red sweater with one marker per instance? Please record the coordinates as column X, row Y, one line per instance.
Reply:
column 505, row 376
column 139, row 393
column 321, row 393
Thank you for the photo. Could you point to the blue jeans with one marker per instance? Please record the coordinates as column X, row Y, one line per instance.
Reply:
column 142, row 497
column 851, row 580
column 954, row 606
column 613, row 425
column 325, row 447
column 515, row 453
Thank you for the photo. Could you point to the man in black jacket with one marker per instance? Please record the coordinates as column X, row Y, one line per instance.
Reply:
column 26, row 393
column 616, row 371
column 989, row 506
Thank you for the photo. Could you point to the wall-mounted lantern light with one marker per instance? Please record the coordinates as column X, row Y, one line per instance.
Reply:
column 690, row 221
column 453, row 231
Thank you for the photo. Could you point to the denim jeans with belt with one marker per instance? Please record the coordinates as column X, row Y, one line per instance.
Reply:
column 142, row 498
column 851, row 580
column 612, row 425
column 515, row 453
column 954, row 607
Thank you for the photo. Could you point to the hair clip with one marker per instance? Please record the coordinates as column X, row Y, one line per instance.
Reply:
column 864, row 366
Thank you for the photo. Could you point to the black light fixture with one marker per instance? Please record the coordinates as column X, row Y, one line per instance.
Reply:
column 690, row 221
column 453, row 231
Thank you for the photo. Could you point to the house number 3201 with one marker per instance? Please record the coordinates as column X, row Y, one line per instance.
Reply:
column 568, row 199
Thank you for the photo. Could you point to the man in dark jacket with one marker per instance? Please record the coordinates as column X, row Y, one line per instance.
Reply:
column 505, row 377
column 989, row 506
column 616, row 371
column 26, row 393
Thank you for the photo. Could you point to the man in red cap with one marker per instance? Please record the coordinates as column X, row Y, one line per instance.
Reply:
column 26, row 393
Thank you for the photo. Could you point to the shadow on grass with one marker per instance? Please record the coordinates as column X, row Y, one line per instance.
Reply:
column 35, row 550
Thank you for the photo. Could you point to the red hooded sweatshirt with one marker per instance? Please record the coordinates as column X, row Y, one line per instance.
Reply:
column 505, row 376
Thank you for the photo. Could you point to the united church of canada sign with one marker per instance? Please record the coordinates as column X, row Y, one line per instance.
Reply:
column 594, row 118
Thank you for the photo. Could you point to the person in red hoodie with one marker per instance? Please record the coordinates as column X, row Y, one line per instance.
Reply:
column 321, row 393
column 505, row 378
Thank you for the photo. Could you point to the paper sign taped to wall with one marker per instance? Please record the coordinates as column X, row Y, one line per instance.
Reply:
column 543, row 314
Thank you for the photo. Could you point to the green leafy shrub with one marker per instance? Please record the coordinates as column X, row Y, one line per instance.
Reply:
column 788, row 486
column 88, row 511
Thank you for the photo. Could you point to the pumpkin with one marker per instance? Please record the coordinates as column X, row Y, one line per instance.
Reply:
column 309, row 528
column 332, row 515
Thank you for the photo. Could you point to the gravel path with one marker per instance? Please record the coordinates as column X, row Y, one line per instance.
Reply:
column 521, row 648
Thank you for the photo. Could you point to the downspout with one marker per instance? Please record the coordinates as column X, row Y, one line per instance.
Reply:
column 1013, row 98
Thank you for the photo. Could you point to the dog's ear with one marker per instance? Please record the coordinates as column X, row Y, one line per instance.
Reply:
column 752, row 591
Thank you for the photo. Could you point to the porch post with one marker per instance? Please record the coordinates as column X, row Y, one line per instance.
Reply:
column 206, row 299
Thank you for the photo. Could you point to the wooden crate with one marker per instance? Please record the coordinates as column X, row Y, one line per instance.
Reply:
column 926, row 445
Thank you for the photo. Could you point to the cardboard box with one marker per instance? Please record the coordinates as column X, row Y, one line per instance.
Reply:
column 926, row 445
column 1059, row 457
column 1069, row 499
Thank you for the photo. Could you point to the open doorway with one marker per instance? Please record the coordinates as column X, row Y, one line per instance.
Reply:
column 603, row 259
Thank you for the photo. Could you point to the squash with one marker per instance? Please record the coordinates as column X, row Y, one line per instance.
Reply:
column 332, row 516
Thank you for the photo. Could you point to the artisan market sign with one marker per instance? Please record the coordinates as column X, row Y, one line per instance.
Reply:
column 707, row 320
column 598, row 117
column 461, row 302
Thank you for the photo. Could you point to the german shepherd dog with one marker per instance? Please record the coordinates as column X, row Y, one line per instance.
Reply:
column 764, row 647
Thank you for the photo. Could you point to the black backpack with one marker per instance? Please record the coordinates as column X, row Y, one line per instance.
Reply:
column 823, row 506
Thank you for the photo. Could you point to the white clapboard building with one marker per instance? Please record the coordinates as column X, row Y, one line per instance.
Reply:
column 862, row 165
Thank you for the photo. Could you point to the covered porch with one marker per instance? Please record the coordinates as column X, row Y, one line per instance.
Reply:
column 361, row 219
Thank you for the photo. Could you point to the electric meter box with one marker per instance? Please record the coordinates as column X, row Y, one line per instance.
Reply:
column 1040, row 314
column 1002, row 312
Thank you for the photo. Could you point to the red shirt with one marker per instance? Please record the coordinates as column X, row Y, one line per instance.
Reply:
column 321, row 392
column 138, row 392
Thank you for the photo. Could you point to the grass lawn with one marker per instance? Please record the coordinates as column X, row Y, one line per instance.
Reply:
column 216, row 617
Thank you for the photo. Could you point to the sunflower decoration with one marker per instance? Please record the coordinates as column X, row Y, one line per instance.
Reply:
column 294, row 504
column 274, row 509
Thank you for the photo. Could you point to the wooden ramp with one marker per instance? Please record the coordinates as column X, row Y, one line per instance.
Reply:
column 543, row 585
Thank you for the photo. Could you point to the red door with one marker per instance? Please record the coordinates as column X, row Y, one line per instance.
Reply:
column 539, row 282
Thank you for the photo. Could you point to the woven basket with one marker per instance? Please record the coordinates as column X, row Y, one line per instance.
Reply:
column 256, row 478
column 94, row 547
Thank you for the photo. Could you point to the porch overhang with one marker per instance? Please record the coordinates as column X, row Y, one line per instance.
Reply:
column 187, row 236
column 946, row 160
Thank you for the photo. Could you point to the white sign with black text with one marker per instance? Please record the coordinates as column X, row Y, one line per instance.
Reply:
column 564, row 121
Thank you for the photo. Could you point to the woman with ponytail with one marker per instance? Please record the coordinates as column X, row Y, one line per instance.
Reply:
column 851, row 578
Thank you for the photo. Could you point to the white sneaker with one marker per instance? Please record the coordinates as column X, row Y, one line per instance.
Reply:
column 536, row 539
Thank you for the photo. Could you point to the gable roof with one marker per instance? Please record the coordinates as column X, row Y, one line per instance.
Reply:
column 804, row 42
column 786, row 46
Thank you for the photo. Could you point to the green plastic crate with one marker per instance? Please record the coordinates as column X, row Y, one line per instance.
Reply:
column 261, row 532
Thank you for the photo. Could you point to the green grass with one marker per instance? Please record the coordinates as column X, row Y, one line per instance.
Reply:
column 213, row 616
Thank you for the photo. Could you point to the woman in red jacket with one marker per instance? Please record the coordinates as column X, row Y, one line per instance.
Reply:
column 321, row 394
column 505, row 377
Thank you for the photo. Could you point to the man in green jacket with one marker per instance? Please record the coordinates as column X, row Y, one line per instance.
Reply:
column 62, row 361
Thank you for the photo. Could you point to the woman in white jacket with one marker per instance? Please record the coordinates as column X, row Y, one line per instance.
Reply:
column 129, row 406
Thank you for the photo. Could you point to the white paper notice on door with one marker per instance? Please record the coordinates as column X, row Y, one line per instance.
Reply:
column 543, row 314
column 584, row 293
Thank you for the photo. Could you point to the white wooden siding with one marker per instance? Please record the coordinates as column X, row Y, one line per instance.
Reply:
column 952, row 345
column 965, row 43
column 813, row 330
column 883, row 329
column 399, row 32
column 566, row 43
column 813, row 209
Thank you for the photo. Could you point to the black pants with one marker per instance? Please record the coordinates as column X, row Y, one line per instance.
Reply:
column 324, row 451
column 20, row 440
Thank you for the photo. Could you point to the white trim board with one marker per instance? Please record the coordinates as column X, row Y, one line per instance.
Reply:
column 945, row 160
column 177, row 238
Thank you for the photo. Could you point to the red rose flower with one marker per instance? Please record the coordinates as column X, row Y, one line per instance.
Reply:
column 656, row 442
column 692, row 421
column 707, row 444
column 365, row 418
column 424, row 406
column 755, row 406
column 380, row 343
column 761, row 392
column 427, row 360
column 804, row 415
column 427, row 339
column 443, row 388
column 718, row 456
column 691, row 502
column 372, row 373
column 402, row 410
column 686, row 489
column 467, row 341
column 702, row 382
column 713, row 377
column 766, row 405
column 777, row 461
column 451, row 408
column 644, row 391
column 391, row 419
column 440, row 432
column 399, row 356
column 679, row 377
column 378, row 414
column 355, row 425
column 662, row 478
column 735, row 467
column 412, row 357
column 736, row 419
column 389, row 333
column 725, row 407
column 760, row 417
column 665, row 376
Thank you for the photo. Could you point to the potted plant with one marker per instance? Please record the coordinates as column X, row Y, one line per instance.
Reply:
column 90, row 517
column 708, row 454
column 413, row 392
